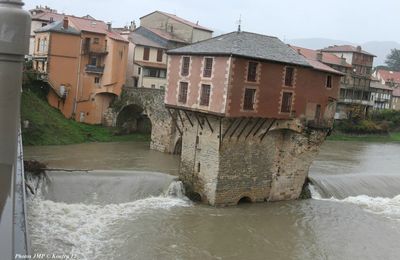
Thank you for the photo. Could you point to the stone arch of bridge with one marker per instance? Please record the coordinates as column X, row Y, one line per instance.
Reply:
column 150, row 103
column 134, row 118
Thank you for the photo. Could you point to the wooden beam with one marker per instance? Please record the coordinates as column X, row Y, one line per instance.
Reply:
column 175, row 123
column 258, row 129
column 198, row 120
column 266, row 132
column 244, row 128
column 180, row 117
column 252, row 128
column 229, row 128
column 236, row 128
column 188, row 117
column 208, row 122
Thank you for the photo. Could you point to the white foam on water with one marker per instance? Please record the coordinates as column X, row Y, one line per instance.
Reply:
column 85, row 230
column 388, row 207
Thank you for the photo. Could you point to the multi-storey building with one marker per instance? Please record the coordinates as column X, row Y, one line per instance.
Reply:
column 355, row 93
column 391, row 79
column 229, row 92
column 158, row 32
column 381, row 95
column 84, row 62
column 41, row 16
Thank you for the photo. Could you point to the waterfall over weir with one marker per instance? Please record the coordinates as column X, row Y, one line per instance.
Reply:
column 346, row 185
column 107, row 187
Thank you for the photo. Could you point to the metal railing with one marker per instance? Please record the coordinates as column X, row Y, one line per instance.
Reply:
column 94, row 69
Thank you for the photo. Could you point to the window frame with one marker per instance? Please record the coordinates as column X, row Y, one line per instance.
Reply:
column 185, row 68
column 208, row 68
column 247, row 104
column 146, row 53
column 205, row 94
column 183, row 92
column 286, row 107
column 328, row 81
column 289, row 80
column 252, row 71
column 160, row 54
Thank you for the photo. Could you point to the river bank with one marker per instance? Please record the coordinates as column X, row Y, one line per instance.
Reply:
column 391, row 137
column 47, row 126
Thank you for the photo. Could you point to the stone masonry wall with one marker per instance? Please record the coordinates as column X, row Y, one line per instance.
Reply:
column 246, row 160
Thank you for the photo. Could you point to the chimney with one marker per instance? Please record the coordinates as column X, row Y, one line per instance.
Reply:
column 342, row 60
column 109, row 26
column 133, row 26
column 359, row 48
column 319, row 56
column 51, row 19
column 65, row 23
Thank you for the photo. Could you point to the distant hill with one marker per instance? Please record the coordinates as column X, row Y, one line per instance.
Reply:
column 380, row 48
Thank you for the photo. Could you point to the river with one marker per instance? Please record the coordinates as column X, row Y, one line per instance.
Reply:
column 123, row 210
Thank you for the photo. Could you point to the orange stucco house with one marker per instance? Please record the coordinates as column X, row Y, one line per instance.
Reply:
column 84, row 62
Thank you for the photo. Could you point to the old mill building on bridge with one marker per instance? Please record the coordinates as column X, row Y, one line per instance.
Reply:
column 252, row 113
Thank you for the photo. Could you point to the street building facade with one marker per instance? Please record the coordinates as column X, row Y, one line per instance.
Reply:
column 84, row 63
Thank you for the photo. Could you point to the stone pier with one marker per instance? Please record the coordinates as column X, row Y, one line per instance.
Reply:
column 225, row 160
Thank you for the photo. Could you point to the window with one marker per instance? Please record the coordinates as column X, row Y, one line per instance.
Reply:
column 328, row 82
column 208, row 64
column 146, row 53
column 183, row 89
column 155, row 73
column 96, row 40
column 185, row 66
column 249, row 99
column 93, row 61
column 153, row 86
column 139, row 70
column 44, row 24
column 252, row 72
column 96, row 80
column 289, row 76
column 205, row 95
column 38, row 45
column 286, row 102
column 159, row 55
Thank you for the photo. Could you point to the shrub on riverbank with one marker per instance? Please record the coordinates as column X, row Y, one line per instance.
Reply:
column 47, row 126
column 383, row 125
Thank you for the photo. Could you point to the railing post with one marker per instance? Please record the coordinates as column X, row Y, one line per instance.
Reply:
column 15, row 24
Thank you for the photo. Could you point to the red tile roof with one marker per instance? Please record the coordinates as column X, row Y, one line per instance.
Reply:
column 311, row 57
column 345, row 48
column 327, row 58
column 388, row 75
column 179, row 19
column 46, row 16
column 94, row 26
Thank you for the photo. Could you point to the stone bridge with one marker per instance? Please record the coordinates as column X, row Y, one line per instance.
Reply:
column 149, row 103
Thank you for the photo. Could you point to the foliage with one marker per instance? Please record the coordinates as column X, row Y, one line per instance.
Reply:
column 382, row 125
column 393, row 60
column 47, row 126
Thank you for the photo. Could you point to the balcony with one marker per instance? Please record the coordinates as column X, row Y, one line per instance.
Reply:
column 94, row 69
column 356, row 101
column 94, row 49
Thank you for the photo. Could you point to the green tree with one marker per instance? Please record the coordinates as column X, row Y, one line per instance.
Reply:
column 393, row 60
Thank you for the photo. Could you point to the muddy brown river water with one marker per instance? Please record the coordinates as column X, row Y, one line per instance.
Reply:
column 125, row 209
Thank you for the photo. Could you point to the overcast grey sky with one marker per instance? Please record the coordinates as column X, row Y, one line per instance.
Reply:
column 350, row 20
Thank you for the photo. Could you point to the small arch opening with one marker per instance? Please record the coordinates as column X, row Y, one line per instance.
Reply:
column 245, row 200
column 178, row 147
column 194, row 196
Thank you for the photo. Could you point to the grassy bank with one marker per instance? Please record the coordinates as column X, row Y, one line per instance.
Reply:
column 47, row 126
